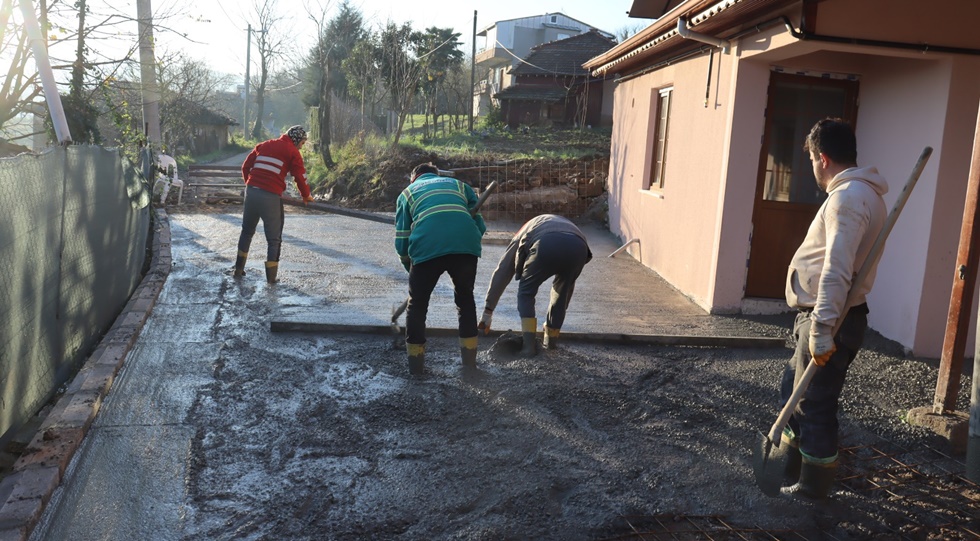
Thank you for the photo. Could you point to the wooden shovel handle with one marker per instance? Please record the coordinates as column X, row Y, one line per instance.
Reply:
column 873, row 255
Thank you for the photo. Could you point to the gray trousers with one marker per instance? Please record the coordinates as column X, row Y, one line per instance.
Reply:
column 561, row 255
column 267, row 206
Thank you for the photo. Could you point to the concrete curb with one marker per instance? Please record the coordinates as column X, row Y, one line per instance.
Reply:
column 39, row 470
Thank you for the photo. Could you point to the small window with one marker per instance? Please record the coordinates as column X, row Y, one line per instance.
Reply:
column 563, row 36
column 554, row 18
column 660, row 123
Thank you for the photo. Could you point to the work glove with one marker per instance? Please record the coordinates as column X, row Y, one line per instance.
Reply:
column 484, row 325
column 407, row 263
column 307, row 199
column 822, row 344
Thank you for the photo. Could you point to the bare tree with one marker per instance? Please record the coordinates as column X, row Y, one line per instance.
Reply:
column 18, row 89
column 401, row 71
column 365, row 82
column 627, row 31
column 271, row 47
column 336, row 40
column 459, row 93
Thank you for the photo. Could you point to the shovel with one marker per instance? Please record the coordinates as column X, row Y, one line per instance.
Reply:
column 769, row 458
column 400, row 309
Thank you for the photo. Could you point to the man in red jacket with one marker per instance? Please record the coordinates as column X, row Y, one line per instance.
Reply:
column 264, row 172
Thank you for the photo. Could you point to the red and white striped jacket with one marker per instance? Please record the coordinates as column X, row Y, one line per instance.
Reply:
column 266, row 166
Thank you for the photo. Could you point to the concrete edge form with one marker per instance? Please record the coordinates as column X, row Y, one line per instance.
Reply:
column 39, row 470
column 594, row 338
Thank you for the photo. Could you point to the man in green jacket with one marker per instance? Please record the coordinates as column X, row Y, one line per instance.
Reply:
column 436, row 232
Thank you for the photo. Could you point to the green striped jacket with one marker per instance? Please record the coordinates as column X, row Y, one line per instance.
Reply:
column 432, row 219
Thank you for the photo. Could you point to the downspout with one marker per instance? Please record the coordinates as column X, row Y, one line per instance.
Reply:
column 686, row 33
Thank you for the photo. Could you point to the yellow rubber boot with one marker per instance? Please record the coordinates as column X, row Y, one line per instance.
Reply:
column 551, row 337
column 416, row 358
column 271, row 271
column 467, row 349
column 240, row 264
column 529, row 327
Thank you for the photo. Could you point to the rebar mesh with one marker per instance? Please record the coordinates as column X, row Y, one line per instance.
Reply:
column 884, row 491
column 694, row 528
column 921, row 492
column 529, row 187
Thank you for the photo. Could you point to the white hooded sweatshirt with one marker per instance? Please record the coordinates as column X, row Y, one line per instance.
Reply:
column 836, row 245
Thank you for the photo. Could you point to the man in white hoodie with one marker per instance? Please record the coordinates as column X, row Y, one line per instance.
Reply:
column 819, row 279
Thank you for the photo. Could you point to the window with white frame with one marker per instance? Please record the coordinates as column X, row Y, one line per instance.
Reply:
column 660, row 123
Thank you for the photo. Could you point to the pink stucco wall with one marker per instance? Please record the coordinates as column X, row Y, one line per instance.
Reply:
column 678, row 224
column 696, row 232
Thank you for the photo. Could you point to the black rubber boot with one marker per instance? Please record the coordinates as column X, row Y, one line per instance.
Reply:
column 271, row 271
column 790, row 444
column 529, row 327
column 240, row 264
column 467, row 350
column 815, row 482
column 416, row 358
column 794, row 461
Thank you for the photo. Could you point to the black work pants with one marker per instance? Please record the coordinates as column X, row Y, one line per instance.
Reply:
column 422, row 279
column 561, row 255
column 267, row 206
column 814, row 420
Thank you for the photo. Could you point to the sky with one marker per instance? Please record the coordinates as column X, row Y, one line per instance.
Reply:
column 216, row 29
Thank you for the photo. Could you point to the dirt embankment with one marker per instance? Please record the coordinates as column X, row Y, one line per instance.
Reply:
column 526, row 186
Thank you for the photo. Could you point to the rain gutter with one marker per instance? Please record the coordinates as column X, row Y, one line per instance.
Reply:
column 921, row 47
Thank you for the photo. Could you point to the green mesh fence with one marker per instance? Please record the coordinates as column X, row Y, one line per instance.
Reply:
column 73, row 232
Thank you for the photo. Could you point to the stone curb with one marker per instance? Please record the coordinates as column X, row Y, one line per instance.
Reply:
column 39, row 470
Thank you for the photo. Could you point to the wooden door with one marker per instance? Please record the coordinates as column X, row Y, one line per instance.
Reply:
column 787, row 196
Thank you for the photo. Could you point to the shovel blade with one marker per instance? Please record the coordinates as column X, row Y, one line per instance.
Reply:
column 769, row 462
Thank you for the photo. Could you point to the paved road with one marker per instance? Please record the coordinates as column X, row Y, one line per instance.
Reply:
column 129, row 479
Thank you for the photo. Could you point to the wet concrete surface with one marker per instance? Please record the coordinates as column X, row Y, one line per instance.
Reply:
column 218, row 428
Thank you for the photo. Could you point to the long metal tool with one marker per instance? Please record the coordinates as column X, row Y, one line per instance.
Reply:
column 400, row 309
column 769, row 458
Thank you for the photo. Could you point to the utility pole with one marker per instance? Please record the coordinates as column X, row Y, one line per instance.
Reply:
column 248, row 63
column 51, row 96
column 473, row 71
column 148, row 76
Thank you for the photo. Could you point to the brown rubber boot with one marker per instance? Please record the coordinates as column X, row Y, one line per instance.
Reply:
column 467, row 349
column 551, row 337
column 416, row 358
column 240, row 264
column 271, row 271
column 815, row 482
column 529, row 327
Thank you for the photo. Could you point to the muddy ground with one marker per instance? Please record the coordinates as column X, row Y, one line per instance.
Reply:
column 303, row 436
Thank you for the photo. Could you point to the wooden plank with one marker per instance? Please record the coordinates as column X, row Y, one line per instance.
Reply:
column 214, row 174
column 961, row 297
column 324, row 207
column 592, row 338
column 208, row 166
